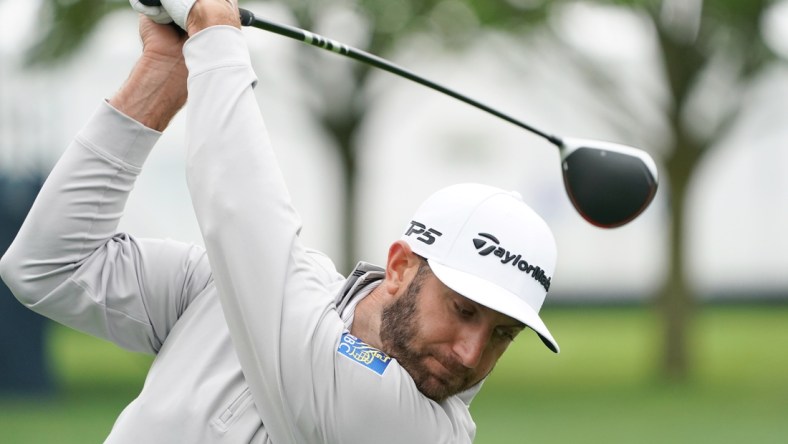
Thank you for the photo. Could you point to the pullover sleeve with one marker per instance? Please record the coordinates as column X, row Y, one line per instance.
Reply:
column 310, row 380
column 68, row 263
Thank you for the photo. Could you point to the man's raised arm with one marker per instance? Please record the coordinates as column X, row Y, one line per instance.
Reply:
column 276, row 297
column 68, row 262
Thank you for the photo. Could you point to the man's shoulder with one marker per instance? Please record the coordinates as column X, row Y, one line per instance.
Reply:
column 324, row 266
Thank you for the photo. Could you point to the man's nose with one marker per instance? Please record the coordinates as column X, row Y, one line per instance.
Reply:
column 470, row 345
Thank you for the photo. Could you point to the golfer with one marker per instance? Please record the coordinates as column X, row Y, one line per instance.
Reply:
column 257, row 338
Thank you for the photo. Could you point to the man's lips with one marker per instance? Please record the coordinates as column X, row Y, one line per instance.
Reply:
column 445, row 372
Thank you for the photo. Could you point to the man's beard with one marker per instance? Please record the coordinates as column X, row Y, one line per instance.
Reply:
column 398, row 333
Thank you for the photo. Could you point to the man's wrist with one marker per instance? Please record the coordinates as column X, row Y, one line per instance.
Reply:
column 205, row 14
column 154, row 92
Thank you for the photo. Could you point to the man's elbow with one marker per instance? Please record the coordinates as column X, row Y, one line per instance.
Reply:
column 11, row 271
column 6, row 267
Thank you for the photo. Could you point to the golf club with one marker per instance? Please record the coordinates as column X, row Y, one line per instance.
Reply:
column 608, row 184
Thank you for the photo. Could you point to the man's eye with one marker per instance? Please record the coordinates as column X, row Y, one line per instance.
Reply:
column 463, row 311
column 505, row 334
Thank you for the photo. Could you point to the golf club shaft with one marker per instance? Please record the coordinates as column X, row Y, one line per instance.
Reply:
column 249, row 19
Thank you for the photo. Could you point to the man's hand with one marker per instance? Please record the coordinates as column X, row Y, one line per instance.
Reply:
column 206, row 13
column 156, row 89
column 161, row 42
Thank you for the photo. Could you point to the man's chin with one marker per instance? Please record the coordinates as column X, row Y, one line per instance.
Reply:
column 433, row 389
column 436, row 388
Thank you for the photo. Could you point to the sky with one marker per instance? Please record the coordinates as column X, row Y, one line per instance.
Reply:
column 416, row 141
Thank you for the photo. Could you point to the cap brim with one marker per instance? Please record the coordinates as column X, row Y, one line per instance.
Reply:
column 495, row 297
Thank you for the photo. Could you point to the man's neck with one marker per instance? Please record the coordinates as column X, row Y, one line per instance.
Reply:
column 366, row 320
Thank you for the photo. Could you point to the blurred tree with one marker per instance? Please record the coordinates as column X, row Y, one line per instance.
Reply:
column 696, row 41
column 692, row 37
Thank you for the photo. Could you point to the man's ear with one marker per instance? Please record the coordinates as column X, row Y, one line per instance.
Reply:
column 401, row 267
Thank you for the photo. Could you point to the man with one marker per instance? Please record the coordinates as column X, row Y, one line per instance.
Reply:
column 257, row 338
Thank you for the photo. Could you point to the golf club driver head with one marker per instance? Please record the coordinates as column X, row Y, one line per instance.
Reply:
column 609, row 184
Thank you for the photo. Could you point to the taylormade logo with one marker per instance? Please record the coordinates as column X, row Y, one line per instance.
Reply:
column 487, row 244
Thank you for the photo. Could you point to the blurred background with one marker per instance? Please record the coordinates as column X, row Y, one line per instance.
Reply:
column 673, row 328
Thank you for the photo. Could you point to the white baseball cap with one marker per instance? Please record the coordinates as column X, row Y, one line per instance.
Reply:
column 488, row 245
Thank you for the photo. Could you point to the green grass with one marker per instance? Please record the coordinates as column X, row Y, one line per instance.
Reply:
column 602, row 388
column 96, row 380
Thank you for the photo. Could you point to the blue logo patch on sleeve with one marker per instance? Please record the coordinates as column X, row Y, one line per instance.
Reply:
column 370, row 357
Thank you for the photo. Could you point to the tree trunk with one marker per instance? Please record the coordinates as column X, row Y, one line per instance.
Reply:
column 683, row 64
column 342, row 124
column 675, row 303
column 350, row 222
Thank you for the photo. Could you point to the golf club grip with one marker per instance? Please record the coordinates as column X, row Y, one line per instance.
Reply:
column 151, row 2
